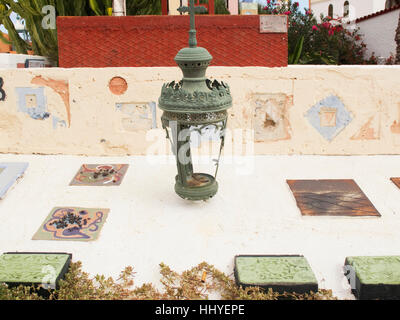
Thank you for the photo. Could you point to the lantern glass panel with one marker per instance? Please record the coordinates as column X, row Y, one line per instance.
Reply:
column 205, row 143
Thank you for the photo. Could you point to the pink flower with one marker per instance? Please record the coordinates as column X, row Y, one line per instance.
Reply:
column 326, row 25
column 268, row 1
column 331, row 32
column 314, row 27
column 287, row 12
column 296, row 4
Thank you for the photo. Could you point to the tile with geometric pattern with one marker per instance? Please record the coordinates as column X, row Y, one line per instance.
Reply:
column 281, row 273
column 329, row 117
column 44, row 269
column 375, row 277
column 331, row 198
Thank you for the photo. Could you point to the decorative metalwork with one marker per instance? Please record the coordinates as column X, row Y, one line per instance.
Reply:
column 192, row 10
column 174, row 98
column 190, row 105
column 193, row 118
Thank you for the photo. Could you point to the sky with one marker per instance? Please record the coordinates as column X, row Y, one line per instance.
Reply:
column 13, row 18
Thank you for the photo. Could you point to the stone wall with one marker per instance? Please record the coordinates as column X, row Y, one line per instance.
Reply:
column 112, row 111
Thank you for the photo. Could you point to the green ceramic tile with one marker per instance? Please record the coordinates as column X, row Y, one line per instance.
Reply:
column 281, row 273
column 372, row 270
column 33, row 268
column 374, row 277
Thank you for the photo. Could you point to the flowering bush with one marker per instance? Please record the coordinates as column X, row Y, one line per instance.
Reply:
column 313, row 42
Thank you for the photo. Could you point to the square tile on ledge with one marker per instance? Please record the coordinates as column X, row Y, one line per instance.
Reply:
column 45, row 269
column 281, row 273
column 100, row 175
column 374, row 278
column 10, row 172
column 331, row 198
column 73, row 224
column 396, row 181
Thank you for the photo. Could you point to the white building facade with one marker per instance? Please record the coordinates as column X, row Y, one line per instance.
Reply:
column 351, row 9
column 379, row 31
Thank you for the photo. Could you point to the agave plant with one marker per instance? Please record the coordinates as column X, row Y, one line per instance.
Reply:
column 19, row 44
column 44, row 41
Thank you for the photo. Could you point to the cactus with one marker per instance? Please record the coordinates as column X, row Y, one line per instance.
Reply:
column 101, row 7
column 44, row 41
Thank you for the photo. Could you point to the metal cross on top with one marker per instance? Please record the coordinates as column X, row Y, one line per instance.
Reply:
column 192, row 9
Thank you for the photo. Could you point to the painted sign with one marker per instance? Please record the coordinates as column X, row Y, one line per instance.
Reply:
column 273, row 24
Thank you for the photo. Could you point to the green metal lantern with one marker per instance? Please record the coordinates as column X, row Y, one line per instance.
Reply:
column 192, row 104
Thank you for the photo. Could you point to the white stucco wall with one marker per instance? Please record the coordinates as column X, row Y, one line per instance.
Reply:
column 379, row 33
column 8, row 61
column 174, row 5
column 80, row 115
column 233, row 6
column 358, row 8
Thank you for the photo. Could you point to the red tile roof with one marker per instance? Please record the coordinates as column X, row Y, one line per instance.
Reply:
column 373, row 15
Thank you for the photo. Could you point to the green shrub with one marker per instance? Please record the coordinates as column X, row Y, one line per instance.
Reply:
column 188, row 285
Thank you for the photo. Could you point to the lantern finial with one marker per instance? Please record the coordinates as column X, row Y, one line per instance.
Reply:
column 192, row 10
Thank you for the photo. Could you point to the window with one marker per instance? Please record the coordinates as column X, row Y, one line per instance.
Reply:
column 330, row 10
column 346, row 9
